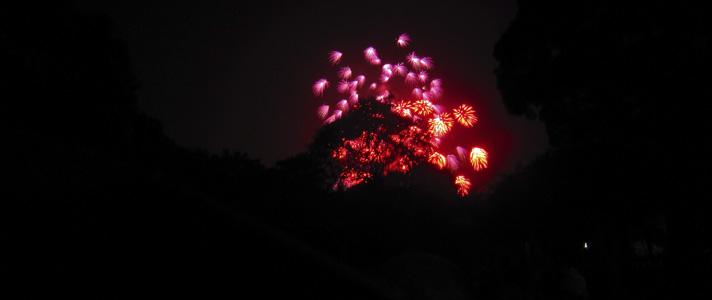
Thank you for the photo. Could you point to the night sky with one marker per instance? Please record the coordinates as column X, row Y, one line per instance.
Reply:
column 225, row 75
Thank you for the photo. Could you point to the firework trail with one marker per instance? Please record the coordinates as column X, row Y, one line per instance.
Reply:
column 359, row 158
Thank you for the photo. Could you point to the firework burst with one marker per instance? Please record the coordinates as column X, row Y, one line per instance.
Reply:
column 478, row 158
column 381, row 149
column 465, row 115
column 319, row 87
column 440, row 124
column 463, row 185
column 403, row 40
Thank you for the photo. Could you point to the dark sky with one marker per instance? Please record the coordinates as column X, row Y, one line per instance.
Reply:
column 228, row 75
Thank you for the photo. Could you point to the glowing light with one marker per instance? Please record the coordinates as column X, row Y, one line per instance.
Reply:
column 360, row 79
column 417, row 93
column 403, row 40
column 401, row 69
column 319, row 87
column 402, row 108
column 423, row 76
column 463, row 185
column 426, row 63
column 461, row 153
column 465, row 115
column 335, row 57
column 343, row 105
column 478, row 158
column 322, row 111
column 452, row 163
column 438, row 160
column 440, row 124
column 411, row 78
column 345, row 73
column 414, row 60
column 423, row 108
column 343, row 86
column 353, row 98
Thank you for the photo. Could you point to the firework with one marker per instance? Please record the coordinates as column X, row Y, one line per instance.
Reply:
column 319, row 87
column 414, row 60
column 353, row 97
column 343, row 86
column 423, row 76
column 343, row 105
column 440, row 124
column 360, row 79
column 426, row 63
column 322, row 111
column 335, row 57
column 345, row 73
column 461, row 153
column 402, row 108
column 423, row 108
column 399, row 149
column 438, row 160
column 411, row 78
column 463, row 185
column 478, row 158
column 403, row 40
column 465, row 115
column 401, row 69
column 452, row 163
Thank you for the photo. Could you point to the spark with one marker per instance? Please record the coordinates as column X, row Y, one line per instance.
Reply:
column 411, row 78
column 360, row 79
column 478, row 158
column 426, row 63
column 345, row 73
column 452, row 163
column 465, row 115
column 417, row 93
column 335, row 57
column 322, row 111
column 463, row 185
column 343, row 105
column 353, row 98
column 319, row 87
column 461, row 153
column 373, row 86
column 401, row 69
column 423, row 108
column 438, row 160
column 403, row 40
column 343, row 86
column 440, row 124
column 423, row 76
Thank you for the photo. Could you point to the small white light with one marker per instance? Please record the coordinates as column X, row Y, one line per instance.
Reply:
column 585, row 245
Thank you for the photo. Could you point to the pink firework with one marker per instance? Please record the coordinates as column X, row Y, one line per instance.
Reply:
column 426, row 63
column 413, row 60
column 343, row 105
column 411, row 78
column 322, row 111
column 461, row 153
column 401, row 69
column 335, row 57
column 353, row 98
column 436, row 83
column 343, row 86
column 345, row 73
column 360, row 79
column 370, row 54
column 423, row 76
column 375, row 62
column 452, row 163
column 373, row 86
column 319, row 87
column 403, row 40
column 417, row 93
